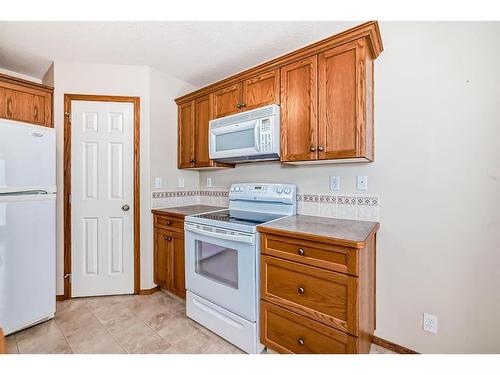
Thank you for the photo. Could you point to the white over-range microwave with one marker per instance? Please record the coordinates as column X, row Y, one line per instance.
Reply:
column 249, row 136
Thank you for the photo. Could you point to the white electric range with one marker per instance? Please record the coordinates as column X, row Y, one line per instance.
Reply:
column 222, row 261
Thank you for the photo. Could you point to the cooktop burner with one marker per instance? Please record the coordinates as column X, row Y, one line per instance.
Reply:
column 240, row 217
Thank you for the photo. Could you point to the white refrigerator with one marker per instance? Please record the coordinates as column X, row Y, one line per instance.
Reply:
column 27, row 225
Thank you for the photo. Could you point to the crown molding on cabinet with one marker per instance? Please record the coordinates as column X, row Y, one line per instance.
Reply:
column 369, row 30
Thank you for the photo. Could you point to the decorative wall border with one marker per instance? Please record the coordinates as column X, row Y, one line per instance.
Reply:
column 359, row 200
column 189, row 193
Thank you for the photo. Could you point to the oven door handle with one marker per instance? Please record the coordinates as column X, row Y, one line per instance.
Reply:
column 223, row 236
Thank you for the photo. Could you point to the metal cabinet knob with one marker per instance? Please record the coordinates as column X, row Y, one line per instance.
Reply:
column 168, row 238
column 320, row 148
column 300, row 341
column 243, row 105
column 125, row 207
column 313, row 148
column 238, row 105
column 300, row 251
column 168, row 222
column 301, row 290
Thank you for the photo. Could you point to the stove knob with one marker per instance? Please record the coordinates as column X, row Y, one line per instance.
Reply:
column 287, row 191
column 232, row 188
column 279, row 190
column 238, row 188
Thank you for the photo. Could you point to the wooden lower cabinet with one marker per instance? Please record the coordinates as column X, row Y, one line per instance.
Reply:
column 169, row 262
column 286, row 332
column 307, row 306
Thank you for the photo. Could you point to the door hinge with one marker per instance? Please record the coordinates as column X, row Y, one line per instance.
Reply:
column 68, row 115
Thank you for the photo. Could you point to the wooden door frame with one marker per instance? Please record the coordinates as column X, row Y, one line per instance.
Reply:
column 67, row 182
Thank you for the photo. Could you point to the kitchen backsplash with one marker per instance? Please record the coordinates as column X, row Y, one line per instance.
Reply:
column 356, row 207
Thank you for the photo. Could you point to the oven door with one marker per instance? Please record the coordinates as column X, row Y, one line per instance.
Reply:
column 221, row 267
column 236, row 140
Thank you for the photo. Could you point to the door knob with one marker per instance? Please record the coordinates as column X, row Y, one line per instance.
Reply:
column 125, row 207
column 300, row 341
column 320, row 148
column 301, row 290
column 243, row 105
column 168, row 238
column 313, row 149
column 238, row 105
column 300, row 251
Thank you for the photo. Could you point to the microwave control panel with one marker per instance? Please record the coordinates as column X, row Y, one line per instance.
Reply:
column 266, row 133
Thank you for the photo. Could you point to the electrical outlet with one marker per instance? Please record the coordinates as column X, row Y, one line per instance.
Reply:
column 335, row 183
column 209, row 181
column 158, row 183
column 430, row 323
column 362, row 183
column 181, row 182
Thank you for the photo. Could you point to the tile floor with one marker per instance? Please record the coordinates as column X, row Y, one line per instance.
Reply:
column 123, row 324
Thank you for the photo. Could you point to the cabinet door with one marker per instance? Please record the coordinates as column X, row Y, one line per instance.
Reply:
column 42, row 109
column 161, row 255
column 202, row 115
column 19, row 105
column 299, row 110
column 339, row 100
column 261, row 90
column 227, row 101
column 186, row 135
column 178, row 277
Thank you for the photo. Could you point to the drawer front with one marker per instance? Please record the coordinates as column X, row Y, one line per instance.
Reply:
column 331, row 257
column 326, row 296
column 167, row 222
column 286, row 332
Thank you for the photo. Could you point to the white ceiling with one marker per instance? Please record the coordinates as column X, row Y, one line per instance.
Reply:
column 196, row 52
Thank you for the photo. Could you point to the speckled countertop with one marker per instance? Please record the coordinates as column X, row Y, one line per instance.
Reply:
column 352, row 233
column 186, row 210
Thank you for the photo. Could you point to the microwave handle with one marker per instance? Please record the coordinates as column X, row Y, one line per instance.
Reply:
column 257, row 136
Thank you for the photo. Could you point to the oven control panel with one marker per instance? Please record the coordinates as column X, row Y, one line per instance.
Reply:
column 285, row 193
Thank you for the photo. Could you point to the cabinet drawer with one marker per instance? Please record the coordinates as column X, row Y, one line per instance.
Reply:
column 331, row 257
column 286, row 332
column 168, row 222
column 326, row 296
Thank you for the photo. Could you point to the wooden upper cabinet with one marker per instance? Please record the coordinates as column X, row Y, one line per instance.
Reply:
column 227, row 101
column 186, row 135
column 341, row 105
column 325, row 91
column 25, row 101
column 261, row 90
column 202, row 115
column 299, row 110
column 193, row 119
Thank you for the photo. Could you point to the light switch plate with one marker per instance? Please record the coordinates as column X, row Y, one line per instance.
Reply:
column 362, row 183
column 181, row 182
column 335, row 183
column 209, row 181
column 158, row 183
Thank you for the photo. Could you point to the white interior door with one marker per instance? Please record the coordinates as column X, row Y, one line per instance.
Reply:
column 102, row 188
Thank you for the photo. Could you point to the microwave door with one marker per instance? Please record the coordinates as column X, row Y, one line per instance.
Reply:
column 235, row 140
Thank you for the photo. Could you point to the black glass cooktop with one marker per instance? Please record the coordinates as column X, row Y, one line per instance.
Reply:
column 240, row 217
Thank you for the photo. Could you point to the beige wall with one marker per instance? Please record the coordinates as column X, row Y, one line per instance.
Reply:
column 163, row 148
column 437, row 171
column 158, row 135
